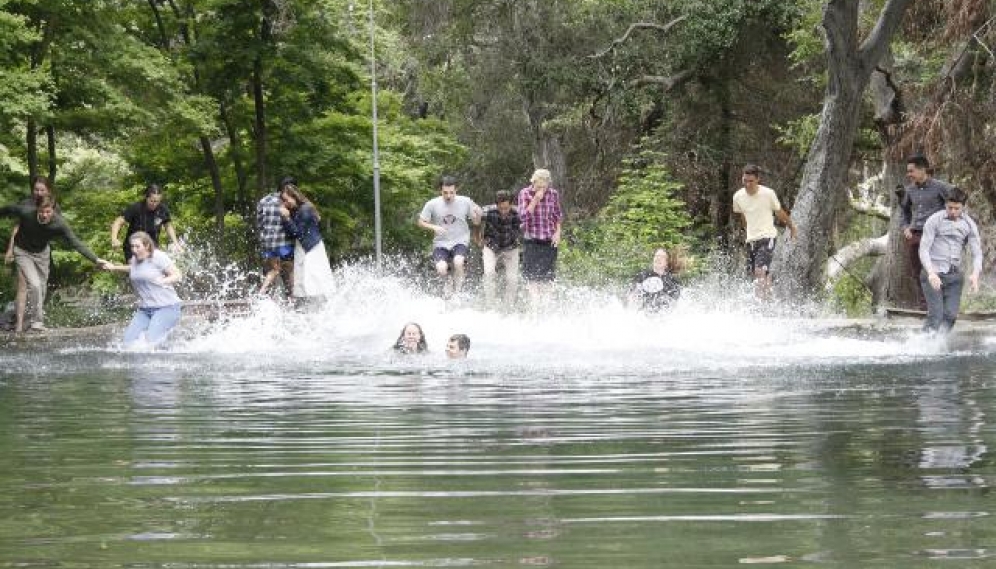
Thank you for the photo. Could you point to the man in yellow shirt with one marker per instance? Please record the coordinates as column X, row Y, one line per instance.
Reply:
column 758, row 206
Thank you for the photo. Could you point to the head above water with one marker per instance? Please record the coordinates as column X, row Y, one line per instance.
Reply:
column 457, row 346
column 411, row 340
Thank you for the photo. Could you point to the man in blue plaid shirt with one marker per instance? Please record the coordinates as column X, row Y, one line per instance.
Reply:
column 276, row 245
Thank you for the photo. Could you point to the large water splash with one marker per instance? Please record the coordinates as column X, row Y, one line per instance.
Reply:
column 716, row 325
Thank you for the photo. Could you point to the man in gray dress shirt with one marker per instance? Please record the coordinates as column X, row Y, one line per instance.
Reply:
column 923, row 197
column 945, row 235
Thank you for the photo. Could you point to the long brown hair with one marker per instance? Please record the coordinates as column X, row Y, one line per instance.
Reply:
column 299, row 198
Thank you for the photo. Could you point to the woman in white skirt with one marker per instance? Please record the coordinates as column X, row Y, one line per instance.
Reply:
column 312, row 272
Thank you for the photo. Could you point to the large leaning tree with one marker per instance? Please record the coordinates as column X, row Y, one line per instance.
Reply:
column 801, row 262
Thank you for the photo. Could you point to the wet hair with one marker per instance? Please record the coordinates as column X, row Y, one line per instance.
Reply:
column 920, row 161
column 447, row 181
column 143, row 238
column 153, row 190
column 286, row 181
column 502, row 196
column 421, row 347
column 752, row 170
column 462, row 340
column 956, row 195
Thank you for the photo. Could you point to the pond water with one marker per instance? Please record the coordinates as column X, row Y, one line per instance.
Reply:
column 582, row 436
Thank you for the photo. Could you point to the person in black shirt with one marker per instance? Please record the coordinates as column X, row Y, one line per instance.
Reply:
column 149, row 215
column 37, row 226
column 498, row 236
column 657, row 288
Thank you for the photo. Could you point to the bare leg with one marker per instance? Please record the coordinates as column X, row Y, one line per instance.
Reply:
column 272, row 272
column 20, row 302
column 443, row 270
column 458, row 273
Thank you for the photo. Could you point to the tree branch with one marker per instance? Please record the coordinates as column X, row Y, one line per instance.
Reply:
column 638, row 26
column 889, row 19
column 668, row 82
column 838, row 263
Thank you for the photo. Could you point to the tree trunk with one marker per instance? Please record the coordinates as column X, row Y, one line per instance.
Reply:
column 219, row 191
column 894, row 284
column 52, row 164
column 547, row 150
column 235, row 151
column 800, row 262
column 31, row 141
column 259, row 126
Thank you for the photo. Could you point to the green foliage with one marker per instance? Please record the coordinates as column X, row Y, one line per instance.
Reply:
column 644, row 213
column 799, row 134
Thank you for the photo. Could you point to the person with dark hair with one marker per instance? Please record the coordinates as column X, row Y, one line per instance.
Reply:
column 457, row 346
column 149, row 215
column 756, row 204
column 922, row 197
column 446, row 217
column 312, row 272
column 657, row 288
column 38, row 225
column 411, row 340
column 41, row 188
column 945, row 235
column 498, row 235
column 277, row 246
column 152, row 275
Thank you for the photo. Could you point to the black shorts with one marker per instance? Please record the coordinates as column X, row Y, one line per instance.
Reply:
column 444, row 254
column 759, row 254
column 539, row 260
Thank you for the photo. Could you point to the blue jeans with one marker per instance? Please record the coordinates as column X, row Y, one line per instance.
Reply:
column 156, row 323
column 942, row 305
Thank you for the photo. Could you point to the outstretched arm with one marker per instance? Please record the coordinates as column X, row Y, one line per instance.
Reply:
column 115, row 229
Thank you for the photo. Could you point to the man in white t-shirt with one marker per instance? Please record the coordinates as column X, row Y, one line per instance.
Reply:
column 758, row 205
column 446, row 217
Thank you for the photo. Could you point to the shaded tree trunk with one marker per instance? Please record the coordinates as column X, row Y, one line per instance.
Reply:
column 31, row 142
column 259, row 126
column 547, row 150
column 801, row 262
column 52, row 164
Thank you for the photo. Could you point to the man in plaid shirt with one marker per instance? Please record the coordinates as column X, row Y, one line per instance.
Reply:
column 539, row 209
column 498, row 236
column 276, row 245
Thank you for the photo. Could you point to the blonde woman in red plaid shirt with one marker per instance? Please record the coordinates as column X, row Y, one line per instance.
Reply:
column 540, row 212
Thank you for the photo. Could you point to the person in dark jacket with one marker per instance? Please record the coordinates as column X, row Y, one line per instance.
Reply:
column 657, row 288
column 312, row 272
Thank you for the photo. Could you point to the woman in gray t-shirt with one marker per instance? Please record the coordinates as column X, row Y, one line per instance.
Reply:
column 153, row 275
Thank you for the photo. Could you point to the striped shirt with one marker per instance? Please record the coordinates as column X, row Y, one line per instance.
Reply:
column 543, row 222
